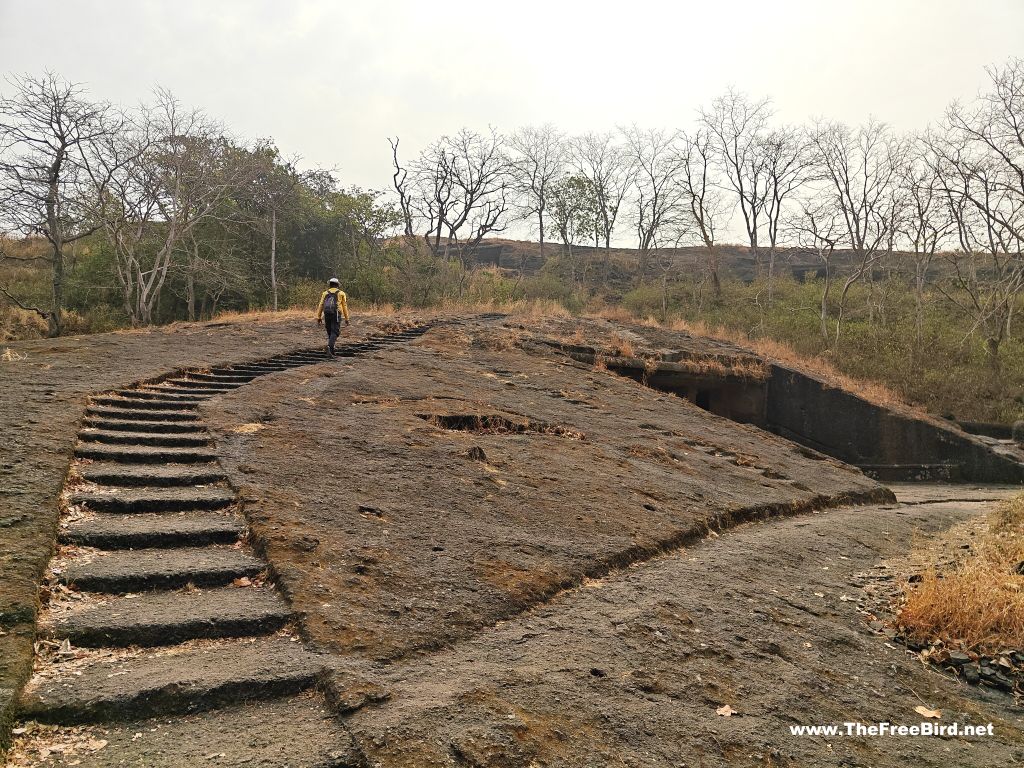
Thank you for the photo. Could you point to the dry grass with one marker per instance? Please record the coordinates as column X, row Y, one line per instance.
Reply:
column 615, row 314
column 537, row 309
column 740, row 367
column 17, row 323
column 301, row 313
column 978, row 604
column 262, row 315
column 621, row 346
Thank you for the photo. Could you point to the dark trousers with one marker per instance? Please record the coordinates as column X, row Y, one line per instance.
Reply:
column 332, row 323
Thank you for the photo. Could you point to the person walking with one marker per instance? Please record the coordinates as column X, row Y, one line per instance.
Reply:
column 333, row 306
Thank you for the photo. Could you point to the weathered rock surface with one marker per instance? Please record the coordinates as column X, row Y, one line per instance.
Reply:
column 398, row 541
column 630, row 670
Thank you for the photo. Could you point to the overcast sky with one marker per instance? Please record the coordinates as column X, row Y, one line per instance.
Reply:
column 329, row 81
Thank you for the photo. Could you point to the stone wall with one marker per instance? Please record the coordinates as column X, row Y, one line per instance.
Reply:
column 807, row 410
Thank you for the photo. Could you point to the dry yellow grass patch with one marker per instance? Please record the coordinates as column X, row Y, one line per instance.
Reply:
column 617, row 314
column 978, row 604
column 536, row 309
column 741, row 367
column 261, row 315
column 622, row 346
column 17, row 323
column 248, row 429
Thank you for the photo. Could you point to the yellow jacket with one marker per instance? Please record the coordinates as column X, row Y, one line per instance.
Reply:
column 342, row 303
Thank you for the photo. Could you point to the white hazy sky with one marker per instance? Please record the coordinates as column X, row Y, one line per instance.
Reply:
column 329, row 81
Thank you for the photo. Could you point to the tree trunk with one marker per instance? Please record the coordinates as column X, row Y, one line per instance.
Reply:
column 824, row 303
column 716, row 283
column 540, row 223
column 190, row 294
column 56, row 319
column 273, row 255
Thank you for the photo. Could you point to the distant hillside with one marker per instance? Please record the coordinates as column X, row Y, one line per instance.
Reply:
column 735, row 261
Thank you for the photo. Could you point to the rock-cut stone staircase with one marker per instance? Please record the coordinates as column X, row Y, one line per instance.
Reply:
column 165, row 608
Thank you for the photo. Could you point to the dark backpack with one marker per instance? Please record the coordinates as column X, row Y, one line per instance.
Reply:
column 331, row 303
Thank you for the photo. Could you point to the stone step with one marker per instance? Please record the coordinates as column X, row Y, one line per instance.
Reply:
column 203, row 393
column 128, row 500
column 168, row 618
column 144, row 569
column 157, row 395
column 121, row 403
column 154, row 530
column 190, row 679
column 258, row 370
column 140, row 414
column 124, row 454
column 170, row 476
column 294, row 731
column 112, row 437
column 130, row 425
column 197, row 383
column 225, row 376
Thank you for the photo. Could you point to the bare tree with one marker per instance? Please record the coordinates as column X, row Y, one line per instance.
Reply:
column 860, row 170
column 456, row 192
column 737, row 127
column 212, row 264
column 817, row 226
column 608, row 164
column 787, row 165
column 979, row 161
column 658, row 186
column 536, row 163
column 169, row 173
column 703, row 196
column 48, row 132
column 926, row 223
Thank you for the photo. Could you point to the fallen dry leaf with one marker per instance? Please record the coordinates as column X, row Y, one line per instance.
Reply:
column 244, row 581
column 923, row 711
column 725, row 711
